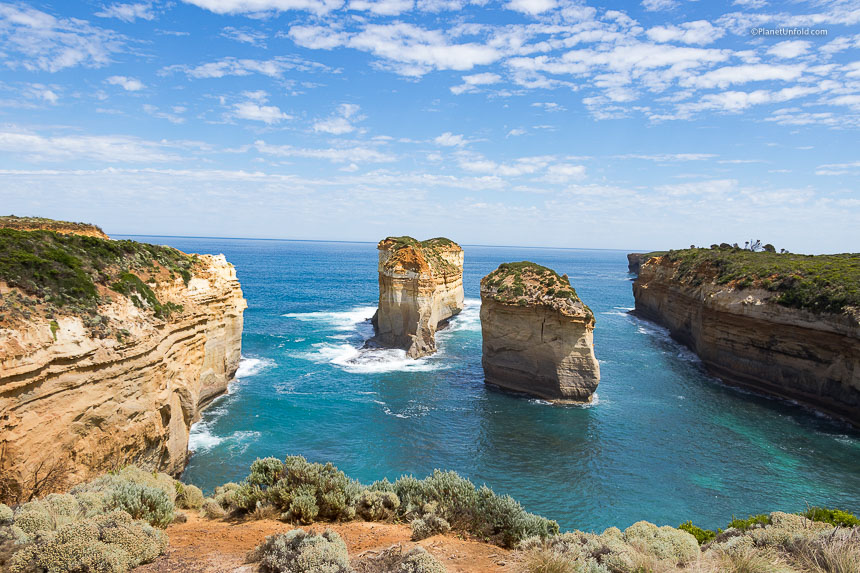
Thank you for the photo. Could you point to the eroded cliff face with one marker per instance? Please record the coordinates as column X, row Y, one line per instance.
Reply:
column 87, row 403
column 538, row 337
column 420, row 286
column 745, row 338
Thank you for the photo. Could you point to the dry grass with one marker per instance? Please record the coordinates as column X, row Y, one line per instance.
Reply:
column 541, row 560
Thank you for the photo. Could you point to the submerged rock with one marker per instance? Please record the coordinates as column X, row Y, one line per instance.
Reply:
column 538, row 334
column 420, row 287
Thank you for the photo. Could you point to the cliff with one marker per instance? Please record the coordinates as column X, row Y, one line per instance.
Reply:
column 537, row 334
column 43, row 224
column 635, row 260
column 108, row 352
column 420, row 286
column 785, row 325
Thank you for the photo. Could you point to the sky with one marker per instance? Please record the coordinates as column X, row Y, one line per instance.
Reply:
column 558, row 123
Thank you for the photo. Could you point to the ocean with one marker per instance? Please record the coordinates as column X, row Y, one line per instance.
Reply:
column 663, row 441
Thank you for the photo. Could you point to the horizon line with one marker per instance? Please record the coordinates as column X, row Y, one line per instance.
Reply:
column 366, row 242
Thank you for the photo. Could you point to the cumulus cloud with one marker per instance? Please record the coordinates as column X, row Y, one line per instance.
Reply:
column 532, row 7
column 35, row 40
column 261, row 6
column 128, row 12
column 658, row 5
column 727, row 76
column 106, row 148
column 789, row 49
column 382, row 7
column 231, row 66
column 126, row 83
column 449, row 139
column 700, row 32
column 254, row 109
column 471, row 83
column 341, row 122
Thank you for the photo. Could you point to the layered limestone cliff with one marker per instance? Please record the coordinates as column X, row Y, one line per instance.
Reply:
column 636, row 260
column 772, row 323
column 538, row 336
column 420, row 287
column 89, row 384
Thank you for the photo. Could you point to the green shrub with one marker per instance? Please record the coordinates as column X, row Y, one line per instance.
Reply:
column 225, row 495
column 374, row 505
column 665, row 543
column 145, row 502
column 5, row 515
column 48, row 514
column 303, row 506
column 266, row 471
column 702, row 535
column 306, row 489
column 298, row 551
column 211, row 509
column 247, row 496
column 831, row 516
column 110, row 543
column 428, row 526
column 418, row 560
column 188, row 496
column 761, row 519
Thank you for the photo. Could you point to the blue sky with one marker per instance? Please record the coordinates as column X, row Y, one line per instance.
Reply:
column 629, row 125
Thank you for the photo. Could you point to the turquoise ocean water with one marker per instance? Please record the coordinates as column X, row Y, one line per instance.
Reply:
column 662, row 442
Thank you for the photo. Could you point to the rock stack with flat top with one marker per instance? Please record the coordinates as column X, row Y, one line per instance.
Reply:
column 538, row 334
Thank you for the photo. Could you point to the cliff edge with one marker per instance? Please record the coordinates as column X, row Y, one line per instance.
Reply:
column 782, row 324
column 537, row 334
column 108, row 352
column 43, row 224
column 420, row 286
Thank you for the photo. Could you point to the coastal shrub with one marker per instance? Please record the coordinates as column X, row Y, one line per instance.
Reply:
column 502, row 520
column 374, row 505
column 211, row 509
column 831, row 516
column 188, row 496
column 299, row 551
column 428, row 526
column 5, row 514
column 838, row 552
column 759, row 520
column 265, row 471
column 702, row 535
column 306, row 489
column 395, row 560
column 47, row 514
column 145, row 502
column 247, row 496
column 109, row 543
column 664, row 543
column 225, row 495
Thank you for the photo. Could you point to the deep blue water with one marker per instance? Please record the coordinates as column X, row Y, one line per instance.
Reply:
column 663, row 442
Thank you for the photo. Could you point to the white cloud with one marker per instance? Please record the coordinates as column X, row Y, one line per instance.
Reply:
column 341, row 122
column 107, row 148
column 532, row 7
column 471, row 82
column 516, row 132
column 245, row 35
column 838, row 168
column 754, row 4
column 36, row 40
column 260, row 6
column 668, row 157
column 449, row 139
column 382, row 7
column 550, row 106
column 128, row 12
column 405, row 48
column 563, row 173
column 789, row 49
column 700, row 32
column 657, row 5
column 712, row 188
column 175, row 116
column 256, row 111
column 128, row 84
column 231, row 66
column 729, row 75
column 352, row 154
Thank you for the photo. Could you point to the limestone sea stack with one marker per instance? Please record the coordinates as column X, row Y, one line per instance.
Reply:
column 108, row 352
column 538, row 335
column 782, row 324
column 420, row 287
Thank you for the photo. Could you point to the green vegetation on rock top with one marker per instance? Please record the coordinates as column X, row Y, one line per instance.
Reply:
column 31, row 223
column 431, row 249
column 821, row 283
column 66, row 270
column 524, row 281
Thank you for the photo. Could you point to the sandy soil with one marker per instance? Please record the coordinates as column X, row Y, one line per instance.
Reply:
column 214, row 546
